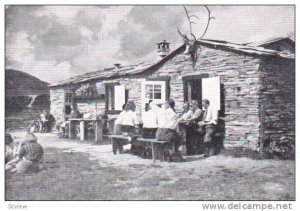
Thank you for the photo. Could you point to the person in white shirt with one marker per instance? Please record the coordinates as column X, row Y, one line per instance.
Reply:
column 208, row 123
column 119, row 121
column 167, row 125
column 193, row 143
column 187, row 113
column 150, row 121
column 129, row 120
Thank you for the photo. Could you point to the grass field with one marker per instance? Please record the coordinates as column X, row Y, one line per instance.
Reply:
column 73, row 174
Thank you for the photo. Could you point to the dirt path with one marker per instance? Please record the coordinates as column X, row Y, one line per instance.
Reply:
column 215, row 178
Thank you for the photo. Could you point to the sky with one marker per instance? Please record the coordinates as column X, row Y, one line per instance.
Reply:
column 53, row 43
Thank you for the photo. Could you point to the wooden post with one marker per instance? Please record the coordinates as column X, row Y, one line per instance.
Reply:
column 99, row 131
column 82, row 132
column 72, row 129
column 153, row 152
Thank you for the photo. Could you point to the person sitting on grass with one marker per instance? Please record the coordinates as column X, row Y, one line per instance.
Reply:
column 11, row 148
column 29, row 157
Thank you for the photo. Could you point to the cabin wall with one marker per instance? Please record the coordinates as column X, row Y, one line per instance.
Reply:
column 57, row 103
column 277, row 97
column 240, row 77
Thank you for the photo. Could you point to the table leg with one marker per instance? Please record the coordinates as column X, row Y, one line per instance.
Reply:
column 153, row 152
column 114, row 146
column 71, row 129
column 99, row 131
column 82, row 132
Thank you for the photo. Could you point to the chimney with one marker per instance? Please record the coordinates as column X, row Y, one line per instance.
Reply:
column 163, row 48
column 117, row 66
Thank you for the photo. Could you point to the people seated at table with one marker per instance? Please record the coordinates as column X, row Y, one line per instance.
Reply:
column 129, row 120
column 187, row 113
column 208, row 126
column 150, row 120
column 193, row 138
column 119, row 121
column 64, row 127
column 167, row 124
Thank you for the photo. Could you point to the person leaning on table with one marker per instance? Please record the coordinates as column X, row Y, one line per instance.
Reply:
column 29, row 157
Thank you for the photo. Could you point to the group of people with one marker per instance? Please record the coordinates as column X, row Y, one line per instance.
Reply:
column 23, row 157
column 164, row 124
column 43, row 123
column 64, row 127
column 200, row 127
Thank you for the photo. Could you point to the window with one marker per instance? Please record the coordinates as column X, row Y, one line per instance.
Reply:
column 68, row 101
column 116, row 96
column 155, row 91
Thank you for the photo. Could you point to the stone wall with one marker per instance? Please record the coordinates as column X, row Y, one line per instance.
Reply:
column 96, row 106
column 278, row 97
column 240, row 77
column 57, row 103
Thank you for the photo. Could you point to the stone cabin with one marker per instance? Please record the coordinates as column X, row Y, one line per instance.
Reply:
column 252, row 87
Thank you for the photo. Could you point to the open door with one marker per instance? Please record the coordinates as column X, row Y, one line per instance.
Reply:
column 120, row 97
column 211, row 91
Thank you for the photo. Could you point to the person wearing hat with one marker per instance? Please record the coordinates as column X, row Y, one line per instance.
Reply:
column 29, row 157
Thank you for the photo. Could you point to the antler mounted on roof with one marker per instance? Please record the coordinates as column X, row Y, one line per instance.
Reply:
column 191, row 46
column 189, row 17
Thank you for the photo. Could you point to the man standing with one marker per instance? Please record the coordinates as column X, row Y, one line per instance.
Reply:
column 208, row 123
column 29, row 157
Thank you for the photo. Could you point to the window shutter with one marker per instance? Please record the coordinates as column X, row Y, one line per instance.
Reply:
column 211, row 91
column 119, row 97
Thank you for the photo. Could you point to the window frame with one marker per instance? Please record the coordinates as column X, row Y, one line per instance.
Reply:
column 165, row 90
column 110, row 87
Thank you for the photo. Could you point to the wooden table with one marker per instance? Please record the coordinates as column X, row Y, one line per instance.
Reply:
column 82, row 125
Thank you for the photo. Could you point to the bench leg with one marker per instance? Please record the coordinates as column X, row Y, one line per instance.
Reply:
column 153, row 152
column 114, row 147
column 120, row 147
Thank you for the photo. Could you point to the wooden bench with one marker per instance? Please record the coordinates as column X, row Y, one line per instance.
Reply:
column 157, row 147
column 118, row 141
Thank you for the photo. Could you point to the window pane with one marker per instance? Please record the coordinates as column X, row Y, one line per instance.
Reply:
column 149, row 88
column 157, row 95
column 157, row 88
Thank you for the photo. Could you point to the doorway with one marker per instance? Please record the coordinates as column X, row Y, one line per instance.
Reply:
column 193, row 88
